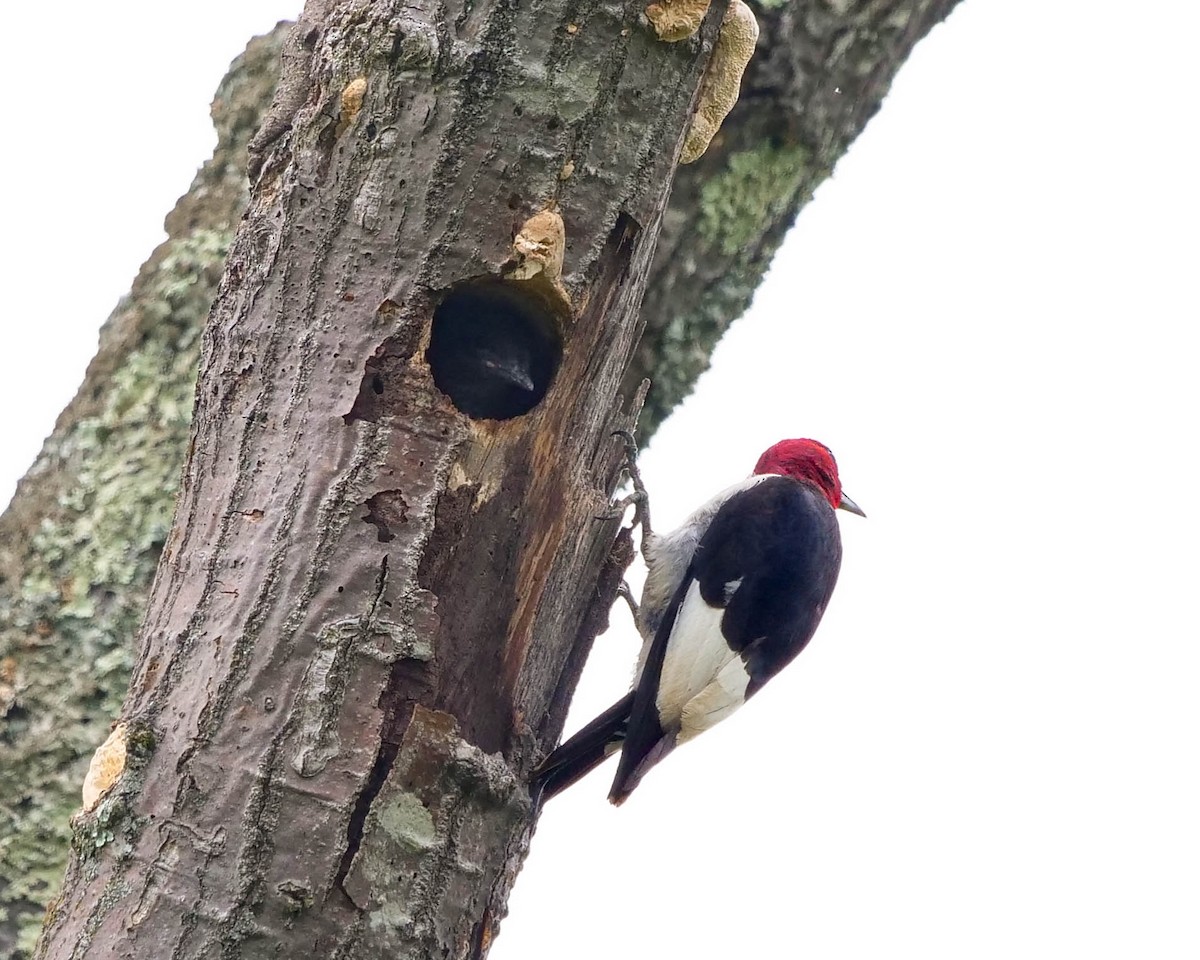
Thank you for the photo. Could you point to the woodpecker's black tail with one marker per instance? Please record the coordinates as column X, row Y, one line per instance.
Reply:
column 584, row 751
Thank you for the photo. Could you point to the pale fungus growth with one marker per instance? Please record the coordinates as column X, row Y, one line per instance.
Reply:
column 108, row 763
column 675, row 20
column 538, row 248
column 352, row 101
column 722, row 79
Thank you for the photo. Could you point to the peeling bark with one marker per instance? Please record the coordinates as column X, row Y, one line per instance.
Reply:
column 79, row 542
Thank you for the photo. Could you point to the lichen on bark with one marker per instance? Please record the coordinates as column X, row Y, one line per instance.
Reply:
column 83, row 600
column 756, row 187
column 79, row 545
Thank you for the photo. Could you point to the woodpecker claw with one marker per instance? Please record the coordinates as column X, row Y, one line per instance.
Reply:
column 639, row 499
column 626, row 593
column 617, row 509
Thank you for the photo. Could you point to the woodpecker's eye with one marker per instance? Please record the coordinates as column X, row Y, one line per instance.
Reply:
column 824, row 477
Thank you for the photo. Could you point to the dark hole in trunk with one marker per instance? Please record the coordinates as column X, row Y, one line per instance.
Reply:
column 494, row 348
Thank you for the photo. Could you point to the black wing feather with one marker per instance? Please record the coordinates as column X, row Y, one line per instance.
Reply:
column 645, row 740
column 783, row 544
column 587, row 749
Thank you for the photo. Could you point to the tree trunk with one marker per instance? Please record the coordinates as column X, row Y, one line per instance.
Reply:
column 367, row 614
column 106, row 478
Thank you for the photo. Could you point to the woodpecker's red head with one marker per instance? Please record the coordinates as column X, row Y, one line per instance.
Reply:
column 811, row 462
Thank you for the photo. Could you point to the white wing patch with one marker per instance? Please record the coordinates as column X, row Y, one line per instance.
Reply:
column 716, row 701
column 702, row 680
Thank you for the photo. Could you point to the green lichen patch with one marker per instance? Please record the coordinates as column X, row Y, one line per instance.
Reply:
column 91, row 833
column 755, row 188
column 90, row 568
column 296, row 896
column 744, row 213
column 408, row 822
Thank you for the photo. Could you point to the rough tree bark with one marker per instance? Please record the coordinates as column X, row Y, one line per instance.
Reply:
column 365, row 618
column 84, row 531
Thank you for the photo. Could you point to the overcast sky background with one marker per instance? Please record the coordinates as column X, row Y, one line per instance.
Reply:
column 989, row 313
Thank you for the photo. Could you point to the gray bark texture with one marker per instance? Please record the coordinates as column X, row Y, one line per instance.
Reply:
column 367, row 682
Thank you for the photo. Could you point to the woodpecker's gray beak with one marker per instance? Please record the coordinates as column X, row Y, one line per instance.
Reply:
column 850, row 506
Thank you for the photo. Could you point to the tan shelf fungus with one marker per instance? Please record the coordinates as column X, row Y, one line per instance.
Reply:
column 722, row 79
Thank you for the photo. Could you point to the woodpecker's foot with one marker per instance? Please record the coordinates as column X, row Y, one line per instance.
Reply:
column 639, row 499
column 617, row 508
column 626, row 594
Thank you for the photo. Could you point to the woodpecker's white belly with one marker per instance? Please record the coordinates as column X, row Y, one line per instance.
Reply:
column 703, row 680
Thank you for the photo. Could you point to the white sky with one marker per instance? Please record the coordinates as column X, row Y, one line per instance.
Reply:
column 990, row 749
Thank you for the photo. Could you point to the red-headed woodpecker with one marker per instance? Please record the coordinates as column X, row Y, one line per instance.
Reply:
column 731, row 597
